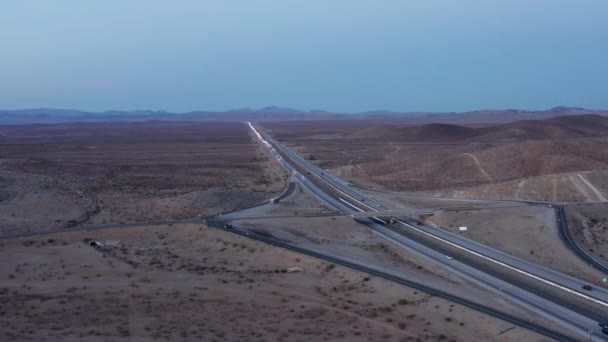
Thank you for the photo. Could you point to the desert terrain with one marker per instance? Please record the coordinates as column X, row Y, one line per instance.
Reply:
column 150, row 269
column 188, row 282
column 588, row 223
column 431, row 166
column 294, row 220
column 294, row 171
column 83, row 174
column 558, row 159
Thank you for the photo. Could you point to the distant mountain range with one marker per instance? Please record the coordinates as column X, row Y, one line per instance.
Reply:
column 558, row 127
column 53, row 116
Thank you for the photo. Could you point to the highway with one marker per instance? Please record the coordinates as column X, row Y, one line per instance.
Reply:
column 543, row 290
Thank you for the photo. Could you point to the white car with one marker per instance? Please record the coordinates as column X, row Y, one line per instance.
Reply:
column 449, row 257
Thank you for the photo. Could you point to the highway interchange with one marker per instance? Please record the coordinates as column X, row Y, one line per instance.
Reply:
column 544, row 291
column 541, row 290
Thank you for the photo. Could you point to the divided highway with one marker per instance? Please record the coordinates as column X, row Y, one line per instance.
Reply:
column 543, row 290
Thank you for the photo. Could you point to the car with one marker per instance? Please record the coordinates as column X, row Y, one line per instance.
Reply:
column 603, row 325
column 449, row 257
column 587, row 287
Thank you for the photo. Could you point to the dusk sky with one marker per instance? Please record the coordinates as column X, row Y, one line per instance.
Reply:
column 344, row 56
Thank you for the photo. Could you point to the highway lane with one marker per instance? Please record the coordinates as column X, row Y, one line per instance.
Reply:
column 291, row 187
column 562, row 281
column 354, row 201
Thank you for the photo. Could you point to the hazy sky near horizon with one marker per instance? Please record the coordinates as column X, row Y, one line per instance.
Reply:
column 337, row 55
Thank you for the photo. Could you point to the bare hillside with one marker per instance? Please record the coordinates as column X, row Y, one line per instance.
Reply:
column 434, row 157
column 565, row 127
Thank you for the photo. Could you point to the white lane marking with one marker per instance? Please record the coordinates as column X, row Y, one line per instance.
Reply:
column 331, row 185
column 361, row 210
column 350, row 205
column 533, row 276
column 379, row 220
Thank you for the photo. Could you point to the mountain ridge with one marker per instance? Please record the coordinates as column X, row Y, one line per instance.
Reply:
column 559, row 127
column 275, row 113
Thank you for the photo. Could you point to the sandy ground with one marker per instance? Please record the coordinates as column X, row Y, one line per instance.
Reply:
column 192, row 283
column 588, row 225
column 421, row 202
column 62, row 176
column 588, row 186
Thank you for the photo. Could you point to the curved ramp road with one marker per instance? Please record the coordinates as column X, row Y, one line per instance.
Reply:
column 566, row 236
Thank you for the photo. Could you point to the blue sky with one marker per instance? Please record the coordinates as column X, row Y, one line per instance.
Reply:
column 348, row 56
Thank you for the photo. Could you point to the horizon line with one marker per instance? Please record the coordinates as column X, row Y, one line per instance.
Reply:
column 280, row 109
